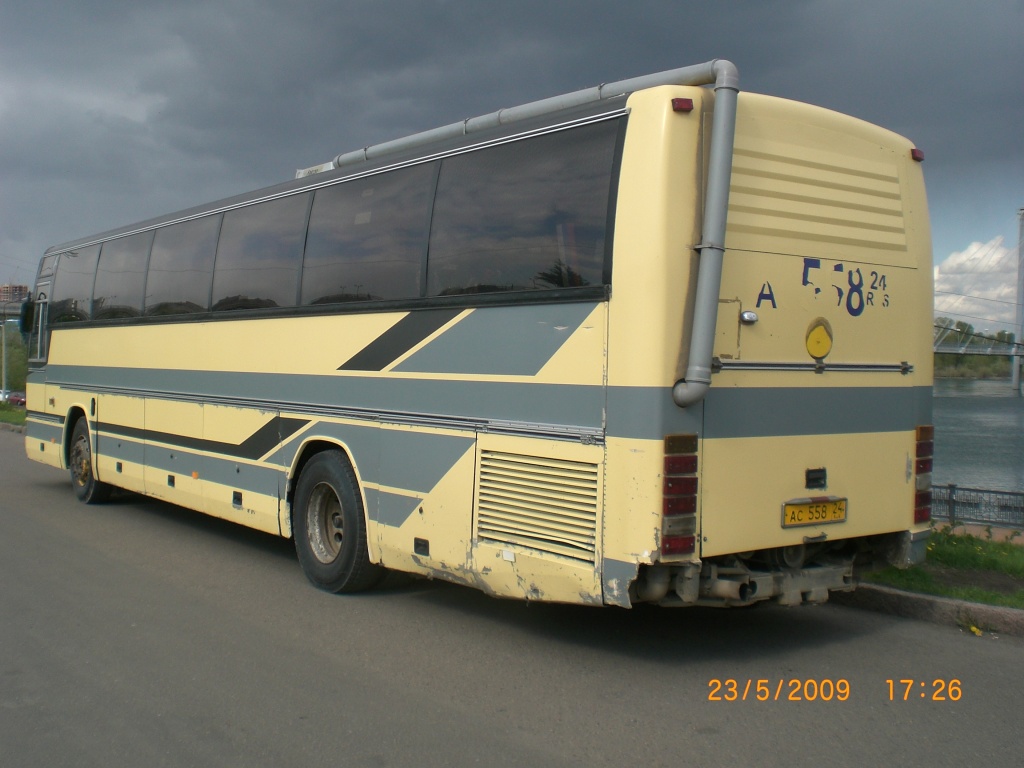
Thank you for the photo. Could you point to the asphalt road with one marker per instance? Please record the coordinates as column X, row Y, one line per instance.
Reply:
column 137, row 633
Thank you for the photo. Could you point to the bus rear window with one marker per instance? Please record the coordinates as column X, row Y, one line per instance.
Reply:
column 526, row 215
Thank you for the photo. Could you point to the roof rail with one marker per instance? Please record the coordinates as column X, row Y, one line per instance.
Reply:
column 699, row 74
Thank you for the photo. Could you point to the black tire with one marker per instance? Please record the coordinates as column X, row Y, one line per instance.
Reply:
column 83, row 480
column 329, row 526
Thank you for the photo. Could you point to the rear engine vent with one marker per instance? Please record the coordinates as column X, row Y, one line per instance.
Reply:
column 545, row 504
column 827, row 202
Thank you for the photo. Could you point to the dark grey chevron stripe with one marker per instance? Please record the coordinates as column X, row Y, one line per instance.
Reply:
column 260, row 442
column 399, row 339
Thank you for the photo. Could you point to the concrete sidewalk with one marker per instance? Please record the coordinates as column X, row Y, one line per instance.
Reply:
column 939, row 610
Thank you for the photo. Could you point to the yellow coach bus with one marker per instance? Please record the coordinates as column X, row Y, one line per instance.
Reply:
column 657, row 341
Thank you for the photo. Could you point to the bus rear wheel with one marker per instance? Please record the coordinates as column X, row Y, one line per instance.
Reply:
column 83, row 480
column 329, row 526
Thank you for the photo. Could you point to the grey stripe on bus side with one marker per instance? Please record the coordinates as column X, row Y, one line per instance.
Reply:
column 465, row 403
column 44, row 432
column 413, row 462
column 548, row 409
column 764, row 412
column 741, row 412
column 390, row 509
column 468, row 347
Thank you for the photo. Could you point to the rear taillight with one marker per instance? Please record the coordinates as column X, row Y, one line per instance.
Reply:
column 679, row 496
column 923, row 473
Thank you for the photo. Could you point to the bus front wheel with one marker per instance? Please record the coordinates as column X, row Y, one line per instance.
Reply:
column 330, row 528
column 83, row 480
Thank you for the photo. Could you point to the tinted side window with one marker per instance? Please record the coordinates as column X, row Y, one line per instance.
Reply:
column 367, row 238
column 259, row 255
column 72, row 287
column 121, row 277
column 522, row 216
column 181, row 267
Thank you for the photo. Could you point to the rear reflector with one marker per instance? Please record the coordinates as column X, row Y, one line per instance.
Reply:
column 680, row 465
column 917, row 154
column 680, row 486
column 680, row 505
column 682, row 105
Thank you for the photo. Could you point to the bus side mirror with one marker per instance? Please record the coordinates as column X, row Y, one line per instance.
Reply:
column 27, row 316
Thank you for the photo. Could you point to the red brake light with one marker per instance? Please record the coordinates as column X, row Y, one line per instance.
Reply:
column 680, row 465
column 680, row 486
column 917, row 154
column 678, row 545
column 924, row 450
column 680, row 505
column 922, row 506
column 682, row 105
column 679, row 495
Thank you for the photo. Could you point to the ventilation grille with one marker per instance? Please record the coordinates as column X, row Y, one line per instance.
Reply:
column 544, row 504
column 821, row 203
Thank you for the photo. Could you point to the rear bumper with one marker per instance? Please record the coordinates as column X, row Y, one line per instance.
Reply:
column 732, row 581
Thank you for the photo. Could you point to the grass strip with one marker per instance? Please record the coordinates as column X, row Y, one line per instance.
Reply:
column 966, row 561
column 917, row 579
column 12, row 415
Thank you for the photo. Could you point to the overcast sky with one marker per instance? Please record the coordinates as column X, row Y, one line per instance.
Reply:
column 112, row 112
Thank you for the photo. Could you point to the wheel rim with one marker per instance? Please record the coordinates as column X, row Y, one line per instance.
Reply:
column 324, row 523
column 81, row 464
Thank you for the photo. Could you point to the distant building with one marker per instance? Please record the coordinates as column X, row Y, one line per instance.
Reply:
column 13, row 293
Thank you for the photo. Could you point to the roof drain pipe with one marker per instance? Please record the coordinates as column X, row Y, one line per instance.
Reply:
column 697, row 379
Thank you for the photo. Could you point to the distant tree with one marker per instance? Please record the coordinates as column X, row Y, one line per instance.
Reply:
column 17, row 359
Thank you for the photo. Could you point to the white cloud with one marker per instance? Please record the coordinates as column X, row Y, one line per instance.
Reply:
column 979, row 285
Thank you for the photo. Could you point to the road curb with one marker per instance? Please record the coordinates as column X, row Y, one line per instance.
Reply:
column 4, row 426
column 938, row 610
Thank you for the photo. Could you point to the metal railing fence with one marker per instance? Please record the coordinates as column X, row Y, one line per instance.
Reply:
column 954, row 504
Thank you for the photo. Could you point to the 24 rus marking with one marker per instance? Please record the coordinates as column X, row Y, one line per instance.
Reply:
column 856, row 297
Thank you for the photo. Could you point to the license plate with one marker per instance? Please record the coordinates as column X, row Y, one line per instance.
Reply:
column 813, row 512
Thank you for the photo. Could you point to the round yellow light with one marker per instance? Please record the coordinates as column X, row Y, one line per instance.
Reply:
column 819, row 339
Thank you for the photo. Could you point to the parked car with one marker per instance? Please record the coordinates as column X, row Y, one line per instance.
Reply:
column 16, row 398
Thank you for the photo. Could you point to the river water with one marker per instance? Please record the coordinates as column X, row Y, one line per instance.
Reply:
column 979, row 434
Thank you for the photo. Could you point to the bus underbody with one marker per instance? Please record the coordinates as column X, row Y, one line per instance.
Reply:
column 804, row 573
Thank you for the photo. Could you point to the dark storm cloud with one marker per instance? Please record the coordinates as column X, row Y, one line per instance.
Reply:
column 116, row 111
